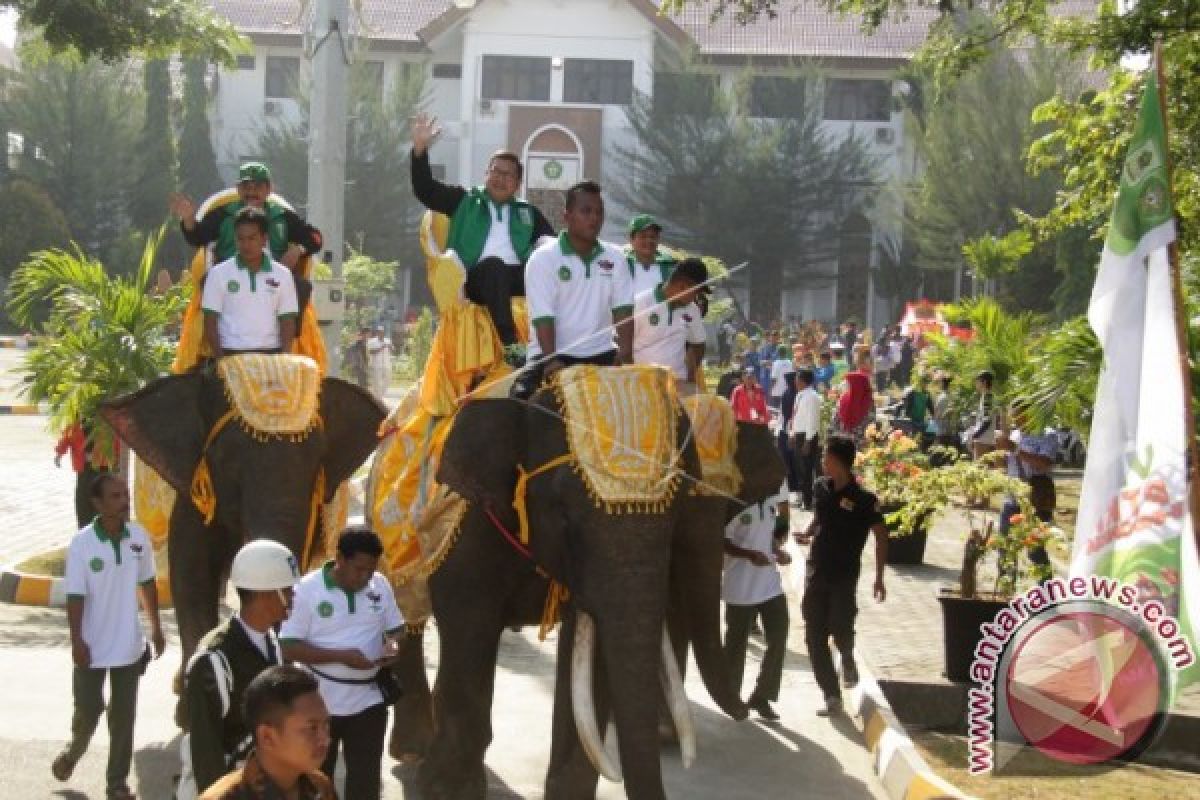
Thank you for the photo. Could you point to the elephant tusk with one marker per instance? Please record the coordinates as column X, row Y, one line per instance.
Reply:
column 677, row 702
column 583, row 702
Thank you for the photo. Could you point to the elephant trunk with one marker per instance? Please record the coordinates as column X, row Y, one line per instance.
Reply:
column 696, row 569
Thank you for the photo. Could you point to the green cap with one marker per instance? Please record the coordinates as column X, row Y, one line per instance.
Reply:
column 254, row 171
column 641, row 222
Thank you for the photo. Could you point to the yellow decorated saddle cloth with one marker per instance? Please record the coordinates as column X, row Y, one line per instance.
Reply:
column 272, row 395
column 621, row 432
column 715, row 432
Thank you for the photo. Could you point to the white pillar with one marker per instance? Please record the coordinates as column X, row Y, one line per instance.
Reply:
column 329, row 51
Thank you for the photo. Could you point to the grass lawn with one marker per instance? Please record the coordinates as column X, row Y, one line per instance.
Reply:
column 1032, row 776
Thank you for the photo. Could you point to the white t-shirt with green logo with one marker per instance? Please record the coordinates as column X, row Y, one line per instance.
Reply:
column 743, row 583
column 105, row 573
column 325, row 615
column 249, row 304
column 578, row 293
column 661, row 334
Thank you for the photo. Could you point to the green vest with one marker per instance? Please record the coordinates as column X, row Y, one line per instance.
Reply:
column 225, row 247
column 473, row 219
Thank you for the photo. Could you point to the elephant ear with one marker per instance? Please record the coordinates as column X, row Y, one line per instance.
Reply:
column 484, row 446
column 162, row 423
column 759, row 461
column 352, row 417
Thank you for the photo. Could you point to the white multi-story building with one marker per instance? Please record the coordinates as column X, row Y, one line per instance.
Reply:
column 550, row 80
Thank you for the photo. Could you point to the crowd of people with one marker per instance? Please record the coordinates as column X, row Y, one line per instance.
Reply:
column 258, row 727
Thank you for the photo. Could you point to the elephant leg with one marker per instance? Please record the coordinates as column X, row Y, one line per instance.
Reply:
column 677, row 629
column 197, row 558
column 413, row 728
column 571, row 775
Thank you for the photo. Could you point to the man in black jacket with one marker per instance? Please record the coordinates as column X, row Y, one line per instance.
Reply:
column 492, row 231
column 229, row 657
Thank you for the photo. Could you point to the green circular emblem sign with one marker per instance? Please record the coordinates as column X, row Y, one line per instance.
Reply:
column 552, row 169
column 96, row 564
column 325, row 609
column 232, row 286
column 564, row 273
column 653, row 319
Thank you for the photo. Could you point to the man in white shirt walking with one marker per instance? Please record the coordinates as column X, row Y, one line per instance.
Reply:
column 804, row 428
column 343, row 628
column 379, row 362
column 109, row 563
column 752, row 587
column 667, row 328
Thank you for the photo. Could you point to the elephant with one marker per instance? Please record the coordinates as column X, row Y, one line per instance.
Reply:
column 622, row 572
column 263, row 486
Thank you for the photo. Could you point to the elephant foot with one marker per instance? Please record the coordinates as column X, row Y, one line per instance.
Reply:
column 469, row 784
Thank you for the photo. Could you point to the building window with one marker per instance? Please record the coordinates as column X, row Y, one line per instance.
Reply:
column 450, row 72
column 516, row 78
column 858, row 100
column 594, row 80
column 684, row 93
column 283, row 77
column 246, row 62
column 776, row 97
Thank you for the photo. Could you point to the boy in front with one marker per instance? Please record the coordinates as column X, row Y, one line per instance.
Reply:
column 290, row 726
column 249, row 301
column 109, row 563
column 844, row 513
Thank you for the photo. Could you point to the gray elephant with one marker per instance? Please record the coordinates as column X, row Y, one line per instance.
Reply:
column 622, row 571
column 262, row 485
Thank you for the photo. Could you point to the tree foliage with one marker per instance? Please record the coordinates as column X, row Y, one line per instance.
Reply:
column 380, row 210
column 30, row 222
column 113, row 30
column 770, row 192
column 105, row 334
column 79, row 121
column 198, row 175
column 155, row 165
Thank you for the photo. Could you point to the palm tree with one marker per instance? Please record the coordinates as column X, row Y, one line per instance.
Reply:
column 102, row 335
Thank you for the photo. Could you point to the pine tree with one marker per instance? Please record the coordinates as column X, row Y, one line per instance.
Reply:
column 155, row 165
column 198, row 175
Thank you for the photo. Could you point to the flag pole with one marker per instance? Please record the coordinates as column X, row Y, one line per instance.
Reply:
column 1181, row 333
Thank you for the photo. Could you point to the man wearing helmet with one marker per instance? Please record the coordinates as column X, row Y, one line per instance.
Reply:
column 229, row 657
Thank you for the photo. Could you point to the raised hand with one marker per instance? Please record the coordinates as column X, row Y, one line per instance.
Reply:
column 182, row 206
column 425, row 130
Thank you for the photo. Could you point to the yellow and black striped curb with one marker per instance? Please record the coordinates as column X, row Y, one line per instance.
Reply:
column 901, row 769
column 13, row 341
column 20, row 410
column 23, row 589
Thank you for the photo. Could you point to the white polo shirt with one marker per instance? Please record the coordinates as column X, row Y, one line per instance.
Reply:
column 578, row 293
column 105, row 573
column 249, row 304
column 499, row 239
column 325, row 615
column 661, row 333
column 743, row 583
column 648, row 276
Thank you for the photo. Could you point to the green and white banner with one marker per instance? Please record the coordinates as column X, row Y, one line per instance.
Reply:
column 1134, row 522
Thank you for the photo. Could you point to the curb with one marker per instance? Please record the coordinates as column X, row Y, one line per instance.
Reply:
column 23, row 589
column 23, row 410
column 898, row 764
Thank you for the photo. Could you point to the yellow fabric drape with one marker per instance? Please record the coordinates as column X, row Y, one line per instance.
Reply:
column 523, row 479
column 153, row 499
column 203, row 496
column 714, row 430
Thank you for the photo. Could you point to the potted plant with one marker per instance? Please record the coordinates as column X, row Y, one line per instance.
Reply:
column 968, row 606
column 888, row 464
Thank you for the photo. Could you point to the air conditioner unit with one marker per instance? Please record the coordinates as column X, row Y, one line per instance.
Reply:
column 485, row 105
column 272, row 107
column 885, row 136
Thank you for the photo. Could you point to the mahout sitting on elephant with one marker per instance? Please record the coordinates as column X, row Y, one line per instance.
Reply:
column 616, row 570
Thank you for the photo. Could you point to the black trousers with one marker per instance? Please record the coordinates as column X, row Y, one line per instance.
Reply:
column 529, row 381
column 806, row 467
column 361, row 739
column 829, row 609
column 494, row 284
column 775, row 621
column 789, row 458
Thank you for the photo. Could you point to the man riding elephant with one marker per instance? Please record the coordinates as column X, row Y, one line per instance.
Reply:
column 492, row 231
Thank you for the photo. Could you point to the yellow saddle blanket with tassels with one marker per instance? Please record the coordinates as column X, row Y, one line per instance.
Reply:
column 621, row 429
column 714, row 430
column 272, row 395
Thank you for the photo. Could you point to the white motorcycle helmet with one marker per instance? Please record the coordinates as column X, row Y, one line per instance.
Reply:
column 263, row 566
